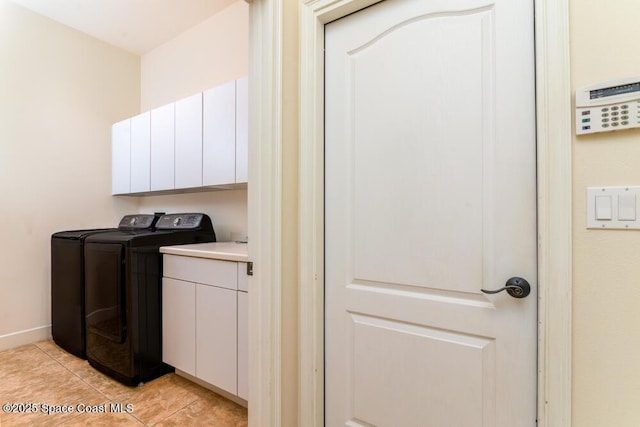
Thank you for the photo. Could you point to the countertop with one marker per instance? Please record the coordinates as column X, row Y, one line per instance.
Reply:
column 226, row 251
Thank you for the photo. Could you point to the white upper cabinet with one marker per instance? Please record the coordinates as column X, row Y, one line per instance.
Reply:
column 197, row 141
column 162, row 147
column 219, row 135
column 121, row 157
column 242, row 130
column 140, row 152
column 188, row 150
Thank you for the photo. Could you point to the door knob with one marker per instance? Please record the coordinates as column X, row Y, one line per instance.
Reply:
column 517, row 287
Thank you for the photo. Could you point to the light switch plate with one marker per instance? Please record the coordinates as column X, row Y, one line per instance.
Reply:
column 613, row 208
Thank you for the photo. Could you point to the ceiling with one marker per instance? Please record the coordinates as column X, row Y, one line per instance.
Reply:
column 136, row 26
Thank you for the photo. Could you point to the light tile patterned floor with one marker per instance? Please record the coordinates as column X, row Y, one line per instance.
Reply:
column 42, row 373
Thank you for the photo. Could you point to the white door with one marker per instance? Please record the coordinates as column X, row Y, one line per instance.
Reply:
column 429, row 198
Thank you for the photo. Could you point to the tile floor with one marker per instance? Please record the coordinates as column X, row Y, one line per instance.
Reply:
column 42, row 373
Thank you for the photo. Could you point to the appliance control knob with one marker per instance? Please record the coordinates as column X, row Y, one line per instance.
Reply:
column 177, row 221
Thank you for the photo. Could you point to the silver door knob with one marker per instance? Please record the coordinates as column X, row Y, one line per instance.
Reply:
column 517, row 287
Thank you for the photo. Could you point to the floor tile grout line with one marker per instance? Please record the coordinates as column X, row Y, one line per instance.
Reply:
column 83, row 380
column 107, row 397
column 104, row 395
column 73, row 373
column 178, row 410
column 75, row 367
column 50, row 356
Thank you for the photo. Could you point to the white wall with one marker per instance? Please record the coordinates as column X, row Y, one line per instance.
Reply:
column 209, row 54
column 59, row 93
column 213, row 52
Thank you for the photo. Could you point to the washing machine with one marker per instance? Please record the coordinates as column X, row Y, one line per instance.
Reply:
column 67, row 289
column 123, row 294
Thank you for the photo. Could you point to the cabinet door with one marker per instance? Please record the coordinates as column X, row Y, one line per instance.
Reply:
column 162, row 147
column 188, row 151
column 140, row 152
column 242, row 130
column 243, row 345
column 243, row 278
column 121, row 157
column 219, row 135
column 179, row 324
column 216, row 337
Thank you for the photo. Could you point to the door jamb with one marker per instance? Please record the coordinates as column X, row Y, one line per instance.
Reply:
column 264, row 201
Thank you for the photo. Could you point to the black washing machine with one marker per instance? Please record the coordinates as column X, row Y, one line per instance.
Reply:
column 123, row 294
column 67, row 289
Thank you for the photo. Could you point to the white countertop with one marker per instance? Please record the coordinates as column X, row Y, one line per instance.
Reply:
column 227, row 251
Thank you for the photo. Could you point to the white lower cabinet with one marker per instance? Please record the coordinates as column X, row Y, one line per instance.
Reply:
column 205, row 320
column 179, row 324
column 243, row 345
column 217, row 336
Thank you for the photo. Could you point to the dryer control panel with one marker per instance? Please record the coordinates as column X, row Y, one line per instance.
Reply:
column 180, row 221
column 137, row 222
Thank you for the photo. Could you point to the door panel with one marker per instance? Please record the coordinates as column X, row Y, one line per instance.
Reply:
column 442, row 180
column 459, row 371
column 429, row 198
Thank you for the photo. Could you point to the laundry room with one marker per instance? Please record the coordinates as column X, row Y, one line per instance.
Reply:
column 61, row 91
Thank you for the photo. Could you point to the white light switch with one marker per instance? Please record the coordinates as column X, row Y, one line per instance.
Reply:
column 603, row 208
column 627, row 207
column 613, row 208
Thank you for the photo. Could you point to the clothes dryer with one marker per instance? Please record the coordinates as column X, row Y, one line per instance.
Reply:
column 123, row 280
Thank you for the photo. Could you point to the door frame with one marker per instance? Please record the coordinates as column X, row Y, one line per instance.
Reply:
column 553, row 108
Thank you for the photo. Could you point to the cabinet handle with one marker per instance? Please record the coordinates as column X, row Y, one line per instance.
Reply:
column 249, row 269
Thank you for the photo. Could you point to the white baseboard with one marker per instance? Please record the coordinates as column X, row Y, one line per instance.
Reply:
column 232, row 397
column 29, row 336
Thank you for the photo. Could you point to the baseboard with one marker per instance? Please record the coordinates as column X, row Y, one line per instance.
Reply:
column 232, row 397
column 29, row 336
